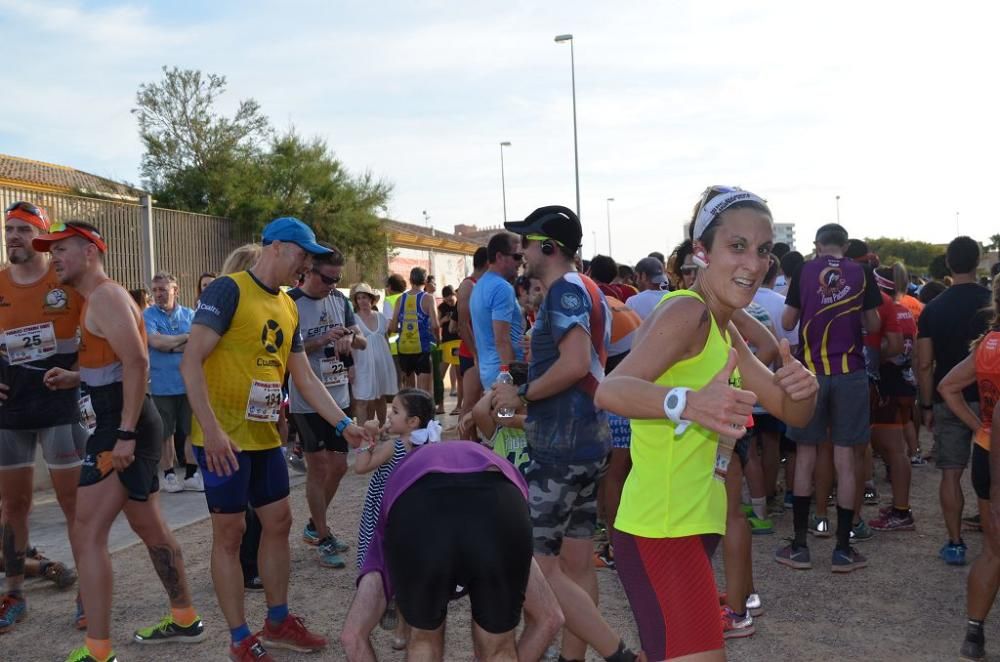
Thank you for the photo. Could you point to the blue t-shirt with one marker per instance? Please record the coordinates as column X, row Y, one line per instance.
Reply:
column 567, row 427
column 492, row 299
column 165, row 367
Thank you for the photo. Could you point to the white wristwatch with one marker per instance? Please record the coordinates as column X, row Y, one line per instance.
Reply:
column 673, row 407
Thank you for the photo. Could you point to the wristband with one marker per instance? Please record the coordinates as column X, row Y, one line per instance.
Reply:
column 343, row 425
column 127, row 435
column 522, row 392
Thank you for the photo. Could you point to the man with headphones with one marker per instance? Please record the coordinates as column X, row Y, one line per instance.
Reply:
column 568, row 437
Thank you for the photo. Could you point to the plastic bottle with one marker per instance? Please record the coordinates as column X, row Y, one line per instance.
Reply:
column 504, row 378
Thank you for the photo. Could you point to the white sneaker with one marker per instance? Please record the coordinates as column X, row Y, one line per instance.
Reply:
column 195, row 483
column 171, row 484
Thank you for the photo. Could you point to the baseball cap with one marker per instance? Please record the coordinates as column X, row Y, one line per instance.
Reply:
column 555, row 222
column 60, row 231
column 652, row 268
column 292, row 230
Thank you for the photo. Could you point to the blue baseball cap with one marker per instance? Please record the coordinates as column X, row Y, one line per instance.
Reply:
column 290, row 229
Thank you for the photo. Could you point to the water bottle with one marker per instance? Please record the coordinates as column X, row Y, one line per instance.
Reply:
column 504, row 378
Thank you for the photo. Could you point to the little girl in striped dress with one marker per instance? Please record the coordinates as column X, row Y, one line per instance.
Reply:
column 411, row 421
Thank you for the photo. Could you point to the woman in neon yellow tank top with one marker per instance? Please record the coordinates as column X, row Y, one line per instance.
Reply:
column 683, row 386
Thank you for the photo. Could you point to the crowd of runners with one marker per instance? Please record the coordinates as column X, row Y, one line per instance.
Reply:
column 619, row 417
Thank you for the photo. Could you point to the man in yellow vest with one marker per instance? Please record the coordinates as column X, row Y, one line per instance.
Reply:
column 244, row 340
column 414, row 317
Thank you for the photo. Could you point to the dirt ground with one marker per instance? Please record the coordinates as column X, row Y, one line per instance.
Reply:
column 908, row 605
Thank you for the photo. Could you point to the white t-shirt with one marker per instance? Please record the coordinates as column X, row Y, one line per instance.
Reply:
column 774, row 304
column 644, row 302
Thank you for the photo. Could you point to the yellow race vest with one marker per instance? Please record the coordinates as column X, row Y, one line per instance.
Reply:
column 672, row 491
column 246, row 369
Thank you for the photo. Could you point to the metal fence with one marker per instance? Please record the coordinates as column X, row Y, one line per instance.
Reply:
column 143, row 240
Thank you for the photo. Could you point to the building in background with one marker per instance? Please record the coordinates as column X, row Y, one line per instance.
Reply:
column 785, row 232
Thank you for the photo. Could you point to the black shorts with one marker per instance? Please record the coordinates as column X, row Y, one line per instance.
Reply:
column 141, row 478
column 981, row 481
column 465, row 363
column 742, row 448
column 175, row 411
column 613, row 361
column 768, row 423
column 318, row 435
column 468, row 530
column 415, row 363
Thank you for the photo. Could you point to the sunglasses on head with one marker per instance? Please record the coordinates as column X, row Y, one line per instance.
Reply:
column 92, row 236
column 327, row 280
column 27, row 208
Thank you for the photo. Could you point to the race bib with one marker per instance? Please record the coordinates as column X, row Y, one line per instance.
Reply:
column 88, row 417
column 264, row 402
column 332, row 372
column 30, row 343
column 723, row 455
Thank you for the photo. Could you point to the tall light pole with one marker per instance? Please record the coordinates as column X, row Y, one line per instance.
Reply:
column 838, row 210
column 609, row 201
column 576, row 153
column 503, row 184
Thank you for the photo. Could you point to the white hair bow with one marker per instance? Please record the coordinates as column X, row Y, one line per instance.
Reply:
column 431, row 434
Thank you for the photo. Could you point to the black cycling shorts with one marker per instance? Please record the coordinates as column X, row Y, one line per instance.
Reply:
column 318, row 435
column 460, row 530
column 419, row 364
column 141, row 478
column 981, row 481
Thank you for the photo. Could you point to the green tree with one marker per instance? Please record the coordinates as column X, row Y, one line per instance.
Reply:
column 994, row 242
column 916, row 255
column 197, row 160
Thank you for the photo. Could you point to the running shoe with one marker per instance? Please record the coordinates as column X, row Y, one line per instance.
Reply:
column 297, row 462
column 254, row 584
column 249, row 650
column 754, row 604
column 953, row 553
column 80, row 621
column 311, row 537
column 82, row 654
column 59, row 574
column 871, row 495
column 167, row 631
column 891, row 521
column 760, row 527
column 736, row 626
column 171, row 484
column 848, row 561
column 917, row 461
column 794, row 557
column 291, row 634
column 195, row 483
column 605, row 557
column 12, row 610
column 747, row 509
column 974, row 647
column 972, row 523
column 820, row 527
column 328, row 556
column 861, row 532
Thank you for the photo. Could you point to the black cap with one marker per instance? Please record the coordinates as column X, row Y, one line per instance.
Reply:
column 652, row 268
column 555, row 222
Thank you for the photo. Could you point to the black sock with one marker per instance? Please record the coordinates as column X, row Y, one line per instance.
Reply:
column 623, row 654
column 901, row 514
column 845, row 520
column 168, row 472
column 974, row 631
column 190, row 470
column 800, row 519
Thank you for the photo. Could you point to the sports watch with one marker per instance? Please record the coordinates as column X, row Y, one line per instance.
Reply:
column 522, row 392
column 127, row 435
column 673, row 407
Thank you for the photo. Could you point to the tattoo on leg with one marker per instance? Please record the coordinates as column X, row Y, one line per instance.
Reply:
column 13, row 557
column 165, row 562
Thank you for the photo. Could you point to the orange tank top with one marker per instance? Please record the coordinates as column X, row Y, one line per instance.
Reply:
column 988, row 379
column 99, row 365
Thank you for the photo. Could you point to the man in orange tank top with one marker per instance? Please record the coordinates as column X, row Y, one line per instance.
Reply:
column 38, row 322
column 124, row 443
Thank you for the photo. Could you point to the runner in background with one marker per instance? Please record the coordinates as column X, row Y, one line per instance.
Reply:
column 414, row 318
column 472, row 387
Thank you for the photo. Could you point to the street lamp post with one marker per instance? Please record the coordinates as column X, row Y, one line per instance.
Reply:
column 609, row 201
column 576, row 154
column 503, row 184
column 838, row 210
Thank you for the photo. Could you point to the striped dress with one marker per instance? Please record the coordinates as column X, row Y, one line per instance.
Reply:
column 373, row 500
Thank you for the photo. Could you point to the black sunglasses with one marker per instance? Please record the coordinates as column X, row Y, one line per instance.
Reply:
column 327, row 280
column 517, row 256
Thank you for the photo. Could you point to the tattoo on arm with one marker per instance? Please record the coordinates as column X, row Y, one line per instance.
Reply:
column 165, row 561
column 13, row 557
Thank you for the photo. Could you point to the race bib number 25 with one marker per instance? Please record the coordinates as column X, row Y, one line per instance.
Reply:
column 30, row 343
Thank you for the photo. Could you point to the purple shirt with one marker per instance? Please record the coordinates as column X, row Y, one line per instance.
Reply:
column 832, row 294
column 450, row 457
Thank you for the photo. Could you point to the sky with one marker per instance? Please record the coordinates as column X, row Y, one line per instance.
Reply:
column 889, row 105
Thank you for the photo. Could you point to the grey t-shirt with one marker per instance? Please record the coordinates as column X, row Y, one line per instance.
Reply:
column 317, row 317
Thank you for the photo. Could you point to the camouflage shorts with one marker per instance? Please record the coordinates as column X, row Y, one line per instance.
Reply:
column 562, row 499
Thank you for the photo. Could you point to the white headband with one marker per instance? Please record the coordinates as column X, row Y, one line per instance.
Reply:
column 431, row 434
column 720, row 203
